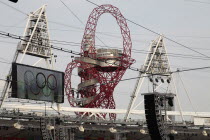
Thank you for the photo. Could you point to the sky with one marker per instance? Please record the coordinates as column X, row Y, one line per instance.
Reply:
column 186, row 22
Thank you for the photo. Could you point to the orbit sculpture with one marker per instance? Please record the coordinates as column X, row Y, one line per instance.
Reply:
column 100, row 69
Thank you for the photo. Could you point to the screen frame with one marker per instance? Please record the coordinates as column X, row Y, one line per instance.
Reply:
column 14, row 82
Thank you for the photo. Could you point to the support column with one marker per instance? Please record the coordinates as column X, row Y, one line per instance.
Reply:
column 118, row 136
column 71, row 134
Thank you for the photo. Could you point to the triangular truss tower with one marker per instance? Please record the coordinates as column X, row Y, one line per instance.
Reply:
column 156, row 67
column 35, row 42
column 157, row 61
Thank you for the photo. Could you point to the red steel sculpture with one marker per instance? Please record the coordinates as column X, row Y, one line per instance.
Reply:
column 101, row 69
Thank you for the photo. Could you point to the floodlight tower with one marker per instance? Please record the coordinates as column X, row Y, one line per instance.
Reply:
column 157, row 68
column 36, row 36
column 36, row 42
column 100, row 69
column 156, row 103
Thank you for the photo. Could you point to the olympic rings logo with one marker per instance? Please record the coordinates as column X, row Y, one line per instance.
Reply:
column 37, row 83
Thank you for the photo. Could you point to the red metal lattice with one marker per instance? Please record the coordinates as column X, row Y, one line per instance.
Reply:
column 107, row 77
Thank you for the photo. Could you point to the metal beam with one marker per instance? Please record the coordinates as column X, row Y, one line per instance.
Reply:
column 96, row 110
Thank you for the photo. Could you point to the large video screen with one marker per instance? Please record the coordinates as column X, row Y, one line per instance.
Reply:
column 29, row 82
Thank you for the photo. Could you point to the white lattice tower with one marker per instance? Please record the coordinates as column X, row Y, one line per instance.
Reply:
column 36, row 42
column 157, row 60
column 156, row 67
column 36, row 35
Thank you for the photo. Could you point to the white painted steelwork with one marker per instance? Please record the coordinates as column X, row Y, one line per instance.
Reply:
column 67, row 110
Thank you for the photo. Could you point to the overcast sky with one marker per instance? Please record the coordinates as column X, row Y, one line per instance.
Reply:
column 184, row 21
